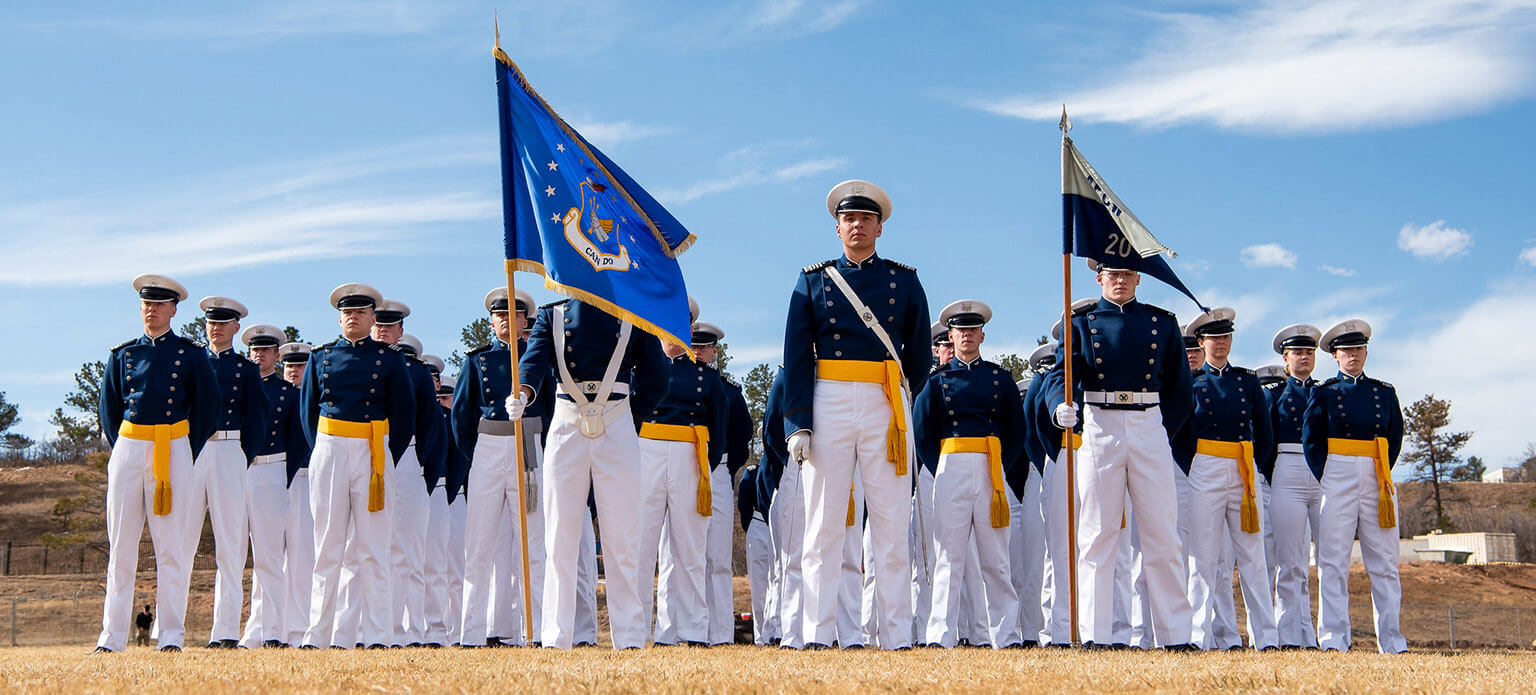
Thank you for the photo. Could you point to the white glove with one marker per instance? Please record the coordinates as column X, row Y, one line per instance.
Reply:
column 1065, row 416
column 800, row 446
column 516, row 405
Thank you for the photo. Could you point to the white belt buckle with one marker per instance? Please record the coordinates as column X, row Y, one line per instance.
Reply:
column 589, row 387
column 592, row 420
column 1124, row 398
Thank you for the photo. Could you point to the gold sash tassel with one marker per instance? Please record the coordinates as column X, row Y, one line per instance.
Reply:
column 375, row 432
column 1242, row 452
column 698, row 435
column 161, row 436
column 993, row 448
column 1377, row 450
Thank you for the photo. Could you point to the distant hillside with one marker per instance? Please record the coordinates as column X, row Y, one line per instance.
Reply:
column 1502, row 507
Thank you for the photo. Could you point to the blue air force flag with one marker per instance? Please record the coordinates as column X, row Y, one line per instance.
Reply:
column 1096, row 225
column 574, row 217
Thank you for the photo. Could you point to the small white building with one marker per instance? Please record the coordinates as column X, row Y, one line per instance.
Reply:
column 1484, row 547
column 1502, row 475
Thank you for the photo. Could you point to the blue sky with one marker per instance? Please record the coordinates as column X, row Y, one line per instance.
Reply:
column 1309, row 162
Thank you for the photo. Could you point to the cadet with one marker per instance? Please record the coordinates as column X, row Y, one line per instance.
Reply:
column 1026, row 542
column 266, row 491
column 221, row 468
column 605, row 374
column 1296, row 497
column 786, row 517
column 455, row 473
column 1125, row 358
column 681, row 441
column 356, row 396
column 486, row 437
column 920, row 547
column 409, row 521
column 1055, row 601
column 717, row 554
column 846, row 382
column 299, row 524
column 1351, row 437
column 438, row 566
column 150, row 469
column 1232, row 445
column 969, row 419
column 759, row 551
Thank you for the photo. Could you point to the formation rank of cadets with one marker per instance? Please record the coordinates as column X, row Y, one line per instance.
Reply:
column 909, row 491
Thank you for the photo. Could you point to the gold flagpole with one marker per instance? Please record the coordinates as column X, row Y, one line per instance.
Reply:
column 1066, row 438
column 522, row 475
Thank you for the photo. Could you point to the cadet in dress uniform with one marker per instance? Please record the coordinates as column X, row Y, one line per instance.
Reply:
column 786, row 517
column 158, row 404
column 919, row 527
column 1026, row 545
column 266, row 491
column 759, row 551
column 221, row 469
column 438, row 566
column 1351, row 437
column 1296, row 498
column 969, row 419
column 360, row 414
column 682, row 440
column 1230, row 445
column 412, row 514
column 846, row 388
column 603, row 374
column 299, row 521
column 718, row 554
column 1054, row 599
column 1135, row 395
column 486, row 437
column 455, row 473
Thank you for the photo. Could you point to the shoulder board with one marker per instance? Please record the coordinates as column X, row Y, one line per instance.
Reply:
column 815, row 267
column 729, row 380
column 555, row 303
column 1271, row 387
column 191, row 342
column 1161, row 310
column 1383, row 383
column 901, row 265
column 1330, row 381
column 483, row 348
column 1241, row 370
column 1083, row 311
column 123, row 344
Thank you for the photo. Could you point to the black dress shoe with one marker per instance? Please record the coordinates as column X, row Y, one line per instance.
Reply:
column 101, row 650
column 1095, row 647
column 215, row 644
column 816, row 647
column 1029, row 644
column 853, row 647
column 308, row 646
column 413, row 645
column 582, row 644
column 1183, row 648
column 230, row 643
column 696, row 643
column 433, row 645
column 378, row 645
column 170, row 649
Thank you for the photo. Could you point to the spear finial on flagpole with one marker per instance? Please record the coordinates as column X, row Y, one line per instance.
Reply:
column 496, row 26
column 1065, row 124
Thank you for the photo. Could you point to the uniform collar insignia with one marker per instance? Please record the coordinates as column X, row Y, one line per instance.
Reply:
column 1344, row 376
column 1106, row 304
column 352, row 343
column 845, row 262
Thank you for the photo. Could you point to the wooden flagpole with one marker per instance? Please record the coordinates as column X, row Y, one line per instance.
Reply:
column 1066, row 437
column 513, row 332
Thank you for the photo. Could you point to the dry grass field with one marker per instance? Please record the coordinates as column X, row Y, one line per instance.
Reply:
column 752, row 670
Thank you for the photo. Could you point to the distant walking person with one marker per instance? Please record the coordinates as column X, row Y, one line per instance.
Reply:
column 143, row 621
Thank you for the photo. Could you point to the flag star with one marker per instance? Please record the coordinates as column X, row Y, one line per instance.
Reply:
column 560, row 147
column 555, row 217
column 553, row 166
column 549, row 190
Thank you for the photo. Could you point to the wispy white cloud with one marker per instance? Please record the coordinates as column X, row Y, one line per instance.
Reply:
column 1434, row 241
column 1341, row 272
column 350, row 204
column 801, row 17
column 277, row 19
column 749, row 172
column 612, row 133
column 1529, row 256
column 1269, row 256
column 1315, row 66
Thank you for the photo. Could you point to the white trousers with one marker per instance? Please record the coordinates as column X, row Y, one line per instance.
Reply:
column 1349, row 509
column 130, row 501
column 759, row 566
column 266, row 500
column 1294, row 508
column 586, row 584
column 454, row 544
column 1142, row 636
column 1216, row 489
column 339, row 470
column 669, row 502
column 769, row 615
column 298, row 559
column 869, row 606
column 1057, row 557
column 962, row 501
column 493, row 593
column 1120, row 631
column 219, row 488
column 408, row 517
column 437, row 567
column 609, row 466
column 851, row 631
column 850, row 425
column 1026, row 551
column 920, row 551
column 719, row 598
column 1127, row 450
column 787, row 523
